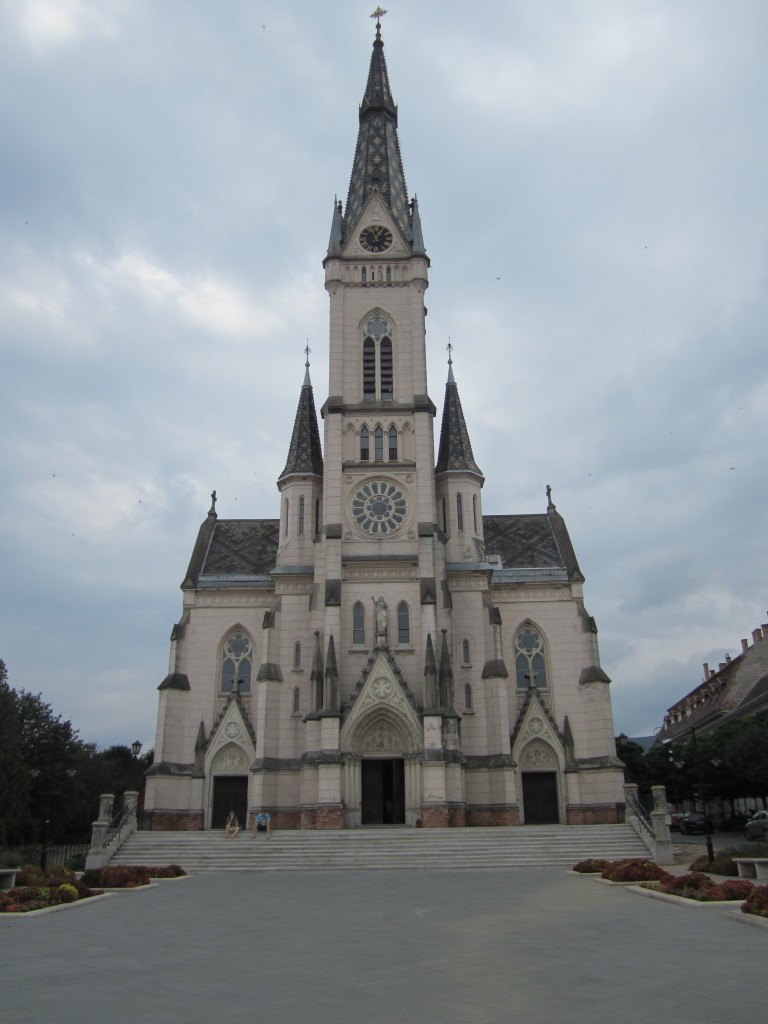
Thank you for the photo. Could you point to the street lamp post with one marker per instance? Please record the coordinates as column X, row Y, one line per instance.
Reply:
column 702, row 795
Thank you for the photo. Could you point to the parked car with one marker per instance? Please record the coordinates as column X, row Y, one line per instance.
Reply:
column 757, row 826
column 693, row 821
column 674, row 821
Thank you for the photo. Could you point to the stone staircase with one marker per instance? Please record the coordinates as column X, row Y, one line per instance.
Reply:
column 386, row 849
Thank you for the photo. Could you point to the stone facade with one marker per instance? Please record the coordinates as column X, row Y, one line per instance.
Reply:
column 383, row 652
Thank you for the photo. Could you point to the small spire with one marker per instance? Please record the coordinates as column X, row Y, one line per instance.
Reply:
column 431, row 686
column 417, row 237
column 455, row 449
column 305, row 456
column 337, row 224
column 449, row 348
column 445, row 675
column 212, row 509
column 550, row 504
column 307, row 381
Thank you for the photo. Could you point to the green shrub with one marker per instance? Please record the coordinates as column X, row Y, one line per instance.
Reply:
column 169, row 871
column 737, row 888
column 57, row 874
column 67, row 893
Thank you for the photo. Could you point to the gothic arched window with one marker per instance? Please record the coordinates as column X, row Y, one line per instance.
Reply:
column 468, row 697
column 297, row 655
column 296, row 700
column 530, row 663
column 378, row 444
column 459, row 513
column 365, row 445
column 358, row 624
column 465, row 653
column 301, row 515
column 236, row 663
column 474, row 512
column 403, row 624
column 378, row 359
column 392, row 444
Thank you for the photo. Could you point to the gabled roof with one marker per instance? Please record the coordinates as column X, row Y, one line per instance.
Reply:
column 378, row 163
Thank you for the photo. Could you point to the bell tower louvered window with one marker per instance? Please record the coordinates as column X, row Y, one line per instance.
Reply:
column 378, row 360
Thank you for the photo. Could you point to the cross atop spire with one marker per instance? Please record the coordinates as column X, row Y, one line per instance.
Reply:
column 378, row 14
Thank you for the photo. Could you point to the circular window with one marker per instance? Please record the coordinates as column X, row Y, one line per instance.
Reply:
column 379, row 507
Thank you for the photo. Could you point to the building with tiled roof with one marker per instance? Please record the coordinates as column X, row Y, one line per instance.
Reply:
column 383, row 652
column 737, row 688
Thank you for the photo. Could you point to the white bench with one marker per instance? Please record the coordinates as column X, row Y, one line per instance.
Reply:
column 752, row 867
column 8, row 878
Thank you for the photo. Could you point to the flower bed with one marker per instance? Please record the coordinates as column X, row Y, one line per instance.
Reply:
column 634, row 871
column 757, row 901
column 591, row 866
column 698, row 886
column 39, row 890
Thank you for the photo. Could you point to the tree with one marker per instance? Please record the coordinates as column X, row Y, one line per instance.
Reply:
column 14, row 778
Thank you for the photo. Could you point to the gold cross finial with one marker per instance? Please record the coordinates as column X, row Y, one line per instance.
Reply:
column 378, row 14
column 307, row 350
column 449, row 348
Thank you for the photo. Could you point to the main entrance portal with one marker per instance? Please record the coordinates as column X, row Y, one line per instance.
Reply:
column 540, row 798
column 382, row 792
column 230, row 793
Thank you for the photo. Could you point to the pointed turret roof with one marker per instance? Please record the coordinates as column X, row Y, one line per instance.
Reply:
column 377, row 163
column 305, row 457
column 455, row 452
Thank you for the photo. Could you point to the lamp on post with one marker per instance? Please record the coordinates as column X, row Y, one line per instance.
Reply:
column 136, row 748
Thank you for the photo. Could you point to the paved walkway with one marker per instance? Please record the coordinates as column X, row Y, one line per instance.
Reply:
column 491, row 947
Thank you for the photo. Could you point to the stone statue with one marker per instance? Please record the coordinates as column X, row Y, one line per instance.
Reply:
column 381, row 612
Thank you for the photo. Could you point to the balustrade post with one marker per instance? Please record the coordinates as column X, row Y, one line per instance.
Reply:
column 96, row 857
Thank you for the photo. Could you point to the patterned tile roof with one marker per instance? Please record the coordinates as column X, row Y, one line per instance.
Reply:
column 305, row 455
column 243, row 547
column 378, row 163
column 522, row 541
column 455, row 451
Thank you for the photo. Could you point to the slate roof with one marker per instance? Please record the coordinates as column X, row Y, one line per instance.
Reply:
column 234, row 547
column 305, row 456
column 378, row 163
column 531, row 542
column 455, row 451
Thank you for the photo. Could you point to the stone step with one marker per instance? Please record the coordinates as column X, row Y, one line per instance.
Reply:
column 383, row 848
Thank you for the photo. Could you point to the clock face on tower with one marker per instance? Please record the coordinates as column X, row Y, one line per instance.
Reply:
column 375, row 238
column 379, row 507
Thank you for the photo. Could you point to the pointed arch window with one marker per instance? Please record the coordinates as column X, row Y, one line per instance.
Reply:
column 465, row 653
column 468, row 697
column 297, row 655
column 317, row 516
column 378, row 444
column 378, row 359
column 301, row 516
column 530, row 660
column 285, row 518
column 459, row 513
column 403, row 623
column 358, row 624
column 474, row 512
column 236, row 663
column 392, row 444
column 365, row 445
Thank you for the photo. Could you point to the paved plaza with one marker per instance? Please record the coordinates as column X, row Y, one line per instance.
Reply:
column 492, row 947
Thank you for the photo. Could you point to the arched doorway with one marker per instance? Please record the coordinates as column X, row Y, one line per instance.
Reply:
column 382, row 791
column 539, row 775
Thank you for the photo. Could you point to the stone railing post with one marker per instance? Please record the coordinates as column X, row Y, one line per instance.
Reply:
column 99, row 828
column 131, row 802
column 660, row 818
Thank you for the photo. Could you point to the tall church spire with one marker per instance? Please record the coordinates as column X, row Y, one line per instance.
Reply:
column 377, row 163
column 305, row 456
column 455, row 452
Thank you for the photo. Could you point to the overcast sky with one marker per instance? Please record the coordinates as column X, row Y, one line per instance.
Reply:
column 592, row 180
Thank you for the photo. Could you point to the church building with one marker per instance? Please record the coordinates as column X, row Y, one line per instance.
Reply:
column 384, row 652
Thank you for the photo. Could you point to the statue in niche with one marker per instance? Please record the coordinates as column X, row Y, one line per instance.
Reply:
column 381, row 613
